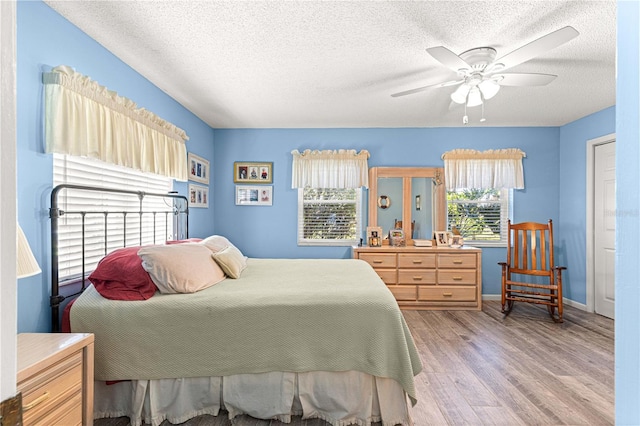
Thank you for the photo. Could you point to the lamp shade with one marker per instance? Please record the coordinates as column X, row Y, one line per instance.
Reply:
column 26, row 261
column 460, row 95
column 489, row 88
column 475, row 97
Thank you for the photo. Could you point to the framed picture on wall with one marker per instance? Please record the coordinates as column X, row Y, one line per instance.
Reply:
column 198, row 196
column 252, row 172
column 254, row 195
column 198, row 169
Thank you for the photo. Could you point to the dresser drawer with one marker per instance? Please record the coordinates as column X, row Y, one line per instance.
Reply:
column 68, row 413
column 462, row 260
column 456, row 277
column 445, row 293
column 416, row 276
column 51, row 389
column 404, row 292
column 416, row 260
column 379, row 260
column 387, row 275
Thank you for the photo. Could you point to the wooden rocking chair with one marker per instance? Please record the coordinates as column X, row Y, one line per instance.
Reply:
column 529, row 274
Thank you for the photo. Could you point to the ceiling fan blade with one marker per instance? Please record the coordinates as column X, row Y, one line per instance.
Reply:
column 423, row 88
column 533, row 49
column 524, row 79
column 448, row 58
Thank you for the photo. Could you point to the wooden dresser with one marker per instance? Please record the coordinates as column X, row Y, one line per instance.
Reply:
column 428, row 277
column 55, row 376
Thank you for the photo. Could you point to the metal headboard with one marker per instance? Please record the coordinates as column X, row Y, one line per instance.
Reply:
column 179, row 212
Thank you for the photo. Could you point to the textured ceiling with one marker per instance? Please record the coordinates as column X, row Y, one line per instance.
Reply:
column 293, row 64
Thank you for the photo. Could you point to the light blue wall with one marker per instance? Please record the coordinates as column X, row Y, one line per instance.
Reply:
column 554, row 173
column 45, row 40
column 570, row 231
column 627, row 342
column 271, row 231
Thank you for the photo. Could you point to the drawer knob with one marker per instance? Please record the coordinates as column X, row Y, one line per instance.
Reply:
column 447, row 294
column 417, row 262
column 417, row 278
column 457, row 262
column 39, row 400
column 457, row 278
column 377, row 261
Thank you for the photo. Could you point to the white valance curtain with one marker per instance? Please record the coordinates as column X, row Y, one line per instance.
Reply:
column 495, row 168
column 85, row 119
column 344, row 168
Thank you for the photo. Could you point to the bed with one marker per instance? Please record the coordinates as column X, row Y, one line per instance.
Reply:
column 271, row 338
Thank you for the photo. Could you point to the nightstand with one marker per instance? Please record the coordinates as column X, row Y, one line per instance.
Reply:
column 55, row 376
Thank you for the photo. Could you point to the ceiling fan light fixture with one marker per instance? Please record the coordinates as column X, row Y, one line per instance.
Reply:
column 489, row 88
column 475, row 97
column 460, row 95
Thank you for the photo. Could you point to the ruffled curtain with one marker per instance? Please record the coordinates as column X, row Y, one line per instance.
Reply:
column 344, row 168
column 85, row 119
column 495, row 168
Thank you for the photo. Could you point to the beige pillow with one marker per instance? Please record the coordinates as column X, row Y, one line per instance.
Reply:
column 215, row 243
column 180, row 268
column 231, row 260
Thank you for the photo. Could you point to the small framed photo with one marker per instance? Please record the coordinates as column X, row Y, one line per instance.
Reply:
column 442, row 238
column 198, row 169
column 456, row 241
column 374, row 236
column 198, row 196
column 397, row 238
column 254, row 195
column 252, row 172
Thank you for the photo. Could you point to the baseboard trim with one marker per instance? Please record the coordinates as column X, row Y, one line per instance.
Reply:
column 566, row 301
column 491, row 297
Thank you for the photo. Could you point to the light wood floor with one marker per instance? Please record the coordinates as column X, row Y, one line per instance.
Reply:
column 482, row 369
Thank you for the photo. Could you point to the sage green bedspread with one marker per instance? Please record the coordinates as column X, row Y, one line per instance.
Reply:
column 280, row 315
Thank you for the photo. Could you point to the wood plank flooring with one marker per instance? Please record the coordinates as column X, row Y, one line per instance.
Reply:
column 480, row 368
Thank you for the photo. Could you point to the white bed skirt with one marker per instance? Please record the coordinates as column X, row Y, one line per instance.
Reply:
column 339, row 398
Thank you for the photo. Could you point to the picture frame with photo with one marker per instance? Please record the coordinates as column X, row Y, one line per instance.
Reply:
column 252, row 172
column 442, row 238
column 374, row 236
column 198, row 196
column 397, row 238
column 198, row 168
column 250, row 195
column 456, row 241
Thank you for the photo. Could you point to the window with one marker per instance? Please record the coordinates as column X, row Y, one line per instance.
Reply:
column 84, row 171
column 480, row 215
column 329, row 217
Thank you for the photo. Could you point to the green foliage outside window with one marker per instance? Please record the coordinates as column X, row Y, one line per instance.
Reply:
column 476, row 213
column 329, row 214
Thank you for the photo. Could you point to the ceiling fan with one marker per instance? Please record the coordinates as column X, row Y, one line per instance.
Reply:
column 480, row 74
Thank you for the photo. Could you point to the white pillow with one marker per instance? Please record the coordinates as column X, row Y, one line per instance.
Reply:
column 215, row 243
column 180, row 268
column 231, row 260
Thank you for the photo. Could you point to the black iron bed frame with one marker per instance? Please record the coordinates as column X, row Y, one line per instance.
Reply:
column 177, row 210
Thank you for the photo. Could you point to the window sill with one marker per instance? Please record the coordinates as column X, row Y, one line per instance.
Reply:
column 485, row 244
column 345, row 243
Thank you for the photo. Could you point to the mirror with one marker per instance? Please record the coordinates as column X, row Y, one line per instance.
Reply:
column 412, row 198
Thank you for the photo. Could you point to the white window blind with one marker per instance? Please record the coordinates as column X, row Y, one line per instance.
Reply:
column 121, row 233
column 329, row 217
column 480, row 215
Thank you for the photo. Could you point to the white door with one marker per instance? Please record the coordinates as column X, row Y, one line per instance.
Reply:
column 604, row 227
